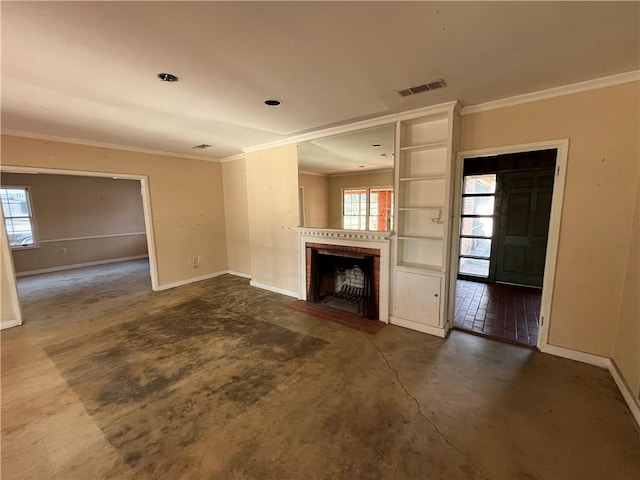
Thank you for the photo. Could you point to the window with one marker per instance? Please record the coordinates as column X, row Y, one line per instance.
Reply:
column 367, row 209
column 18, row 216
column 476, row 226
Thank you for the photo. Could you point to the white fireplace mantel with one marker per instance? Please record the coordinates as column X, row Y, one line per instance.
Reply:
column 349, row 238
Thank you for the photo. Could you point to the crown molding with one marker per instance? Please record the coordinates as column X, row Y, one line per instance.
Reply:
column 231, row 158
column 90, row 143
column 440, row 109
column 601, row 82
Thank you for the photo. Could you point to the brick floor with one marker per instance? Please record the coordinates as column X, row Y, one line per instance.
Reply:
column 350, row 320
column 501, row 311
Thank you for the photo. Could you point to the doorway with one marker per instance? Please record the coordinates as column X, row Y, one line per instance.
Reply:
column 506, row 203
column 54, row 250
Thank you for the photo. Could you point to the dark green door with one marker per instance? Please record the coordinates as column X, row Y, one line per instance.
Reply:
column 524, row 226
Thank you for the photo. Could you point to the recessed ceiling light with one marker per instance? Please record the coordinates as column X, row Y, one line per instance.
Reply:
column 272, row 103
column 167, row 77
column 376, row 145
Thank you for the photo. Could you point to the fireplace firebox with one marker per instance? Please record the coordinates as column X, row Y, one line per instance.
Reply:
column 346, row 274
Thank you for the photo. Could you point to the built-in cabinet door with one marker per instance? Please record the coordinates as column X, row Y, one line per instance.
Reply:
column 524, row 227
column 417, row 297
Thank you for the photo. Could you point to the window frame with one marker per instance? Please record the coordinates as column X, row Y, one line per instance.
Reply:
column 31, row 217
column 491, row 238
column 368, row 215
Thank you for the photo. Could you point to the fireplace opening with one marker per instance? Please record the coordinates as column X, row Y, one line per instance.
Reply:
column 344, row 280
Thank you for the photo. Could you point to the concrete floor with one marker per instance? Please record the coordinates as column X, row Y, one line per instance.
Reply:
column 220, row 380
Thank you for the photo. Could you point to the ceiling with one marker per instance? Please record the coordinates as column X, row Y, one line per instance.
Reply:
column 87, row 70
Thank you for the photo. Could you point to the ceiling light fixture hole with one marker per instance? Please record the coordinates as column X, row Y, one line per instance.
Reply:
column 376, row 145
column 272, row 103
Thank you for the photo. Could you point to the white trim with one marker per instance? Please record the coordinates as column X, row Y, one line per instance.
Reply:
column 602, row 362
column 233, row 158
column 91, row 143
column 9, row 324
column 562, row 147
column 79, row 265
column 146, row 203
column 7, row 260
column 441, row 109
column 315, row 174
column 271, row 288
column 625, row 390
column 363, row 172
column 591, row 359
column 91, row 237
column 238, row 274
column 180, row 283
column 420, row 327
column 602, row 82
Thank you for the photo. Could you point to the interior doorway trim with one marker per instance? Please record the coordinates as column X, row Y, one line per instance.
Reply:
column 146, row 205
column 562, row 149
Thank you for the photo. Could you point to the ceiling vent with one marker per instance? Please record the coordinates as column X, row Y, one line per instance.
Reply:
column 425, row 87
column 202, row 146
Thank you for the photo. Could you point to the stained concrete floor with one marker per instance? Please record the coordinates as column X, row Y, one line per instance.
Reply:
column 220, row 380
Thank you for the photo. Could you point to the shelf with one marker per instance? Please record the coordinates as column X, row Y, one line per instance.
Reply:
column 419, row 266
column 439, row 176
column 426, row 146
column 420, row 237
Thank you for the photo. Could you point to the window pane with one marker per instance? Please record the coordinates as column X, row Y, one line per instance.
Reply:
column 480, row 183
column 477, row 247
column 477, row 227
column 15, row 205
column 478, row 205
column 473, row 266
column 381, row 210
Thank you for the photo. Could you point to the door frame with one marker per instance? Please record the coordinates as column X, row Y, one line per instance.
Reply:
column 146, row 205
column 562, row 150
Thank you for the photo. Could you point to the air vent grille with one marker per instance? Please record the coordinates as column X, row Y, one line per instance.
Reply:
column 425, row 87
column 202, row 146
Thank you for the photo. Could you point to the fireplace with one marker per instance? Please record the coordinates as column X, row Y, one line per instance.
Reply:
column 352, row 266
column 345, row 277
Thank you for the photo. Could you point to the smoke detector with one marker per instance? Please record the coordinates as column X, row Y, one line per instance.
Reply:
column 425, row 87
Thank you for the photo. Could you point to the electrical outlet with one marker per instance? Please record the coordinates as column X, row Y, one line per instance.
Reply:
column 63, row 250
column 190, row 261
column 198, row 258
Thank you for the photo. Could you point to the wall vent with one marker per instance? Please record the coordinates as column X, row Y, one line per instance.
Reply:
column 202, row 146
column 425, row 87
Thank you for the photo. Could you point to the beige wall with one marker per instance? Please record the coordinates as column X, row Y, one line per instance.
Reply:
column 339, row 182
column 68, row 208
column 272, row 192
column 186, row 198
column 626, row 352
column 316, row 200
column 234, row 178
column 603, row 130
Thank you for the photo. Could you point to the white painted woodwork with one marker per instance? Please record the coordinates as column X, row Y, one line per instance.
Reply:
column 425, row 148
column 417, row 297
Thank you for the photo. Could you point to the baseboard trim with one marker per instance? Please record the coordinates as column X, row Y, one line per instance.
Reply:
column 420, row 327
column 627, row 394
column 187, row 281
column 239, row 274
column 591, row 359
column 602, row 362
column 9, row 324
column 271, row 288
column 79, row 265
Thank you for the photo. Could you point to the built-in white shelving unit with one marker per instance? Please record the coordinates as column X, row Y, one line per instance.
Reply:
column 425, row 150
